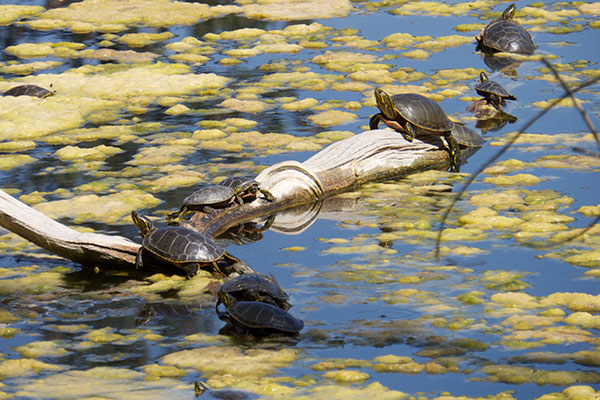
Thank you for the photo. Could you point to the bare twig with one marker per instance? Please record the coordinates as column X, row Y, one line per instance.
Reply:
column 534, row 119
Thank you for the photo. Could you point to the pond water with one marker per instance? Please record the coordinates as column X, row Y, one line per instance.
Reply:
column 137, row 122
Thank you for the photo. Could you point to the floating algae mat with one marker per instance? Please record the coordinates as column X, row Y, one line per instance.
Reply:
column 155, row 98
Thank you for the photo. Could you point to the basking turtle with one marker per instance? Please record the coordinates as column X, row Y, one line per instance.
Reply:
column 178, row 246
column 412, row 114
column 207, row 198
column 253, row 287
column 261, row 318
column 506, row 35
column 29, row 90
column 245, row 188
column 492, row 91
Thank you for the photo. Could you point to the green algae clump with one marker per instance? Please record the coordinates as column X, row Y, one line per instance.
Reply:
column 285, row 10
column 232, row 360
column 152, row 13
column 11, row 13
column 42, row 349
column 332, row 118
column 23, row 367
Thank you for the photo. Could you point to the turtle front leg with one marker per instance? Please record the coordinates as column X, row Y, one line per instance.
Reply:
column 409, row 133
column 177, row 214
column 453, row 149
column 191, row 269
column 267, row 195
column 374, row 121
column 139, row 262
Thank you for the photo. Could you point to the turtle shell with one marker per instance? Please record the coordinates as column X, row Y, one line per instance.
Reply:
column 29, row 90
column 506, row 35
column 487, row 87
column 177, row 244
column 466, row 136
column 240, row 183
column 253, row 287
column 210, row 195
column 259, row 315
column 422, row 112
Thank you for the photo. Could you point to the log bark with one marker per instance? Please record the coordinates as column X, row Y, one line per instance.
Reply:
column 83, row 248
column 371, row 156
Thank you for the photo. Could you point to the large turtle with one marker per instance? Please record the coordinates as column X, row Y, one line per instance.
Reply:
column 178, row 246
column 412, row 115
column 506, row 35
column 261, row 318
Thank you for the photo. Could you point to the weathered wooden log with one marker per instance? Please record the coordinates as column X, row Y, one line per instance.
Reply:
column 370, row 156
column 83, row 248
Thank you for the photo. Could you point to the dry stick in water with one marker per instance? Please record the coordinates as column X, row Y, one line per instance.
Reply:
column 503, row 150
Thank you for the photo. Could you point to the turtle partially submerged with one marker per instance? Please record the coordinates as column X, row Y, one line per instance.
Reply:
column 413, row 115
column 467, row 137
column 178, row 246
column 29, row 90
column 245, row 188
column 207, row 198
column 259, row 318
column 492, row 91
column 253, row 287
column 505, row 35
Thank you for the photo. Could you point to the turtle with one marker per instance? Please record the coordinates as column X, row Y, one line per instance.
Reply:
column 200, row 389
column 412, row 114
column 246, row 188
column 179, row 246
column 207, row 198
column 29, row 90
column 253, row 287
column 467, row 137
column 261, row 318
column 505, row 35
column 492, row 91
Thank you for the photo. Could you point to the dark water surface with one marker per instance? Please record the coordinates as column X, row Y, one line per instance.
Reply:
column 360, row 298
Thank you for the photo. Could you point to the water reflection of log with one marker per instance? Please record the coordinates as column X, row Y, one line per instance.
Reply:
column 371, row 156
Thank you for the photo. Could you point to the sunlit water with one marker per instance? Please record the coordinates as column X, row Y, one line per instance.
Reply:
column 355, row 304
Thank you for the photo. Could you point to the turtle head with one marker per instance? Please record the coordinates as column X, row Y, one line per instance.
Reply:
column 483, row 77
column 385, row 104
column 226, row 298
column 142, row 222
column 510, row 11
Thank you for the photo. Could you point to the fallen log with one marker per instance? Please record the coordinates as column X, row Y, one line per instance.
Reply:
column 370, row 156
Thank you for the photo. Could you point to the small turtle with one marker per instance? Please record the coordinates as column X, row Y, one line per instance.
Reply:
column 207, row 198
column 467, row 137
column 506, row 35
column 200, row 389
column 262, row 318
column 412, row 114
column 178, row 246
column 29, row 90
column 245, row 188
column 492, row 91
column 253, row 287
